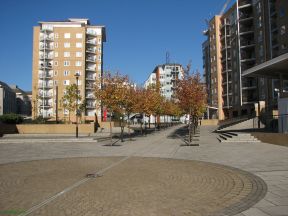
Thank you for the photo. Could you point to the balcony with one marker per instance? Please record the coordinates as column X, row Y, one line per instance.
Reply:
column 246, row 30
column 90, row 32
column 247, row 43
column 90, row 59
column 46, row 86
column 46, row 47
column 50, row 57
column 91, row 69
column 243, row 4
column 46, row 38
column 45, row 76
column 90, row 106
column 90, row 96
column 45, row 66
column 91, row 78
column 45, row 95
column 91, row 50
column 89, row 86
column 45, row 105
column 91, row 42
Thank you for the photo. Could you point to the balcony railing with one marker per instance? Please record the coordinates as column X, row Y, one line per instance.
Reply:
column 91, row 59
column 91, row 50
column 45, row 85
column 91, row 69
column 47, row 38
column 44, row 76
column 245, row 3
column 91, row 42
column 42, row 47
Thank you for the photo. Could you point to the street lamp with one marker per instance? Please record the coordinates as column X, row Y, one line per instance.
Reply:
column 77, row 77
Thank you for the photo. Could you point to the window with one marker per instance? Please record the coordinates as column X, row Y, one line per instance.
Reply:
column 56, row 45
column 99, row 67
column 67, row 35
column 283, row 29
column 55, row 82
column 260, row 36
column 78, row 63
column 99, row 49
column 66, row 82
column 78, row 45
column 78, row 54
column 55, row 63
column 99, row 41
column 78, row 35
column 66, row 63
column 56, row 35
column 66, row 45
column 259, row 21
column 66, row 54
column 99, row 58
column 55, row 73
column 282, row 12
column 56, row 54
column 284, row 46
column 66, row 73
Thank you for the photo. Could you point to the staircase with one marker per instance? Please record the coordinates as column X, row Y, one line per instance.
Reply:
column 237, row 137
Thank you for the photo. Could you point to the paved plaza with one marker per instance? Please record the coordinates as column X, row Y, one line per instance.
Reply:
column 151, row 175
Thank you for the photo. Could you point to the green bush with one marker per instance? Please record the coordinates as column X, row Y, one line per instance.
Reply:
column 11, row 118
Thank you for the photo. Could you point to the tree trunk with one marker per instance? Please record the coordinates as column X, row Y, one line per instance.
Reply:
column 122, row 128
column 155, row 127
column 129, row 133
column 149, row 120
column 142, row 125
column 110, row 125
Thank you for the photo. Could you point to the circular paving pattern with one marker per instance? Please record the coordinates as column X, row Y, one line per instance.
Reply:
column 136, row 187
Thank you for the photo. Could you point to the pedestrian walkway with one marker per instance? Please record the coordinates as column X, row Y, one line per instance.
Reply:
column 243, row 161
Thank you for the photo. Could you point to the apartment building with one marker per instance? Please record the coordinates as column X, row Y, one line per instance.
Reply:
column 61, row 50
column 252, row 32
column 23, row 101
column 7, row 99
column 166, row 75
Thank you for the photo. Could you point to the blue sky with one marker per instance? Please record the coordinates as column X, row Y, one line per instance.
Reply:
column 139, row 33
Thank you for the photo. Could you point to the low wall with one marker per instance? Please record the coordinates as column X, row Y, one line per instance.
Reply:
column 206, row 122
column 273, row 138
column 7, row 129
column 54, row 128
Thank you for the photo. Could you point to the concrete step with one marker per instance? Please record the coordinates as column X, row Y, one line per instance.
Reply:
column 239, row 141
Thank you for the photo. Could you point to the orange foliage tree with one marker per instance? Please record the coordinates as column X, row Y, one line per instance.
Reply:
column 191, row 97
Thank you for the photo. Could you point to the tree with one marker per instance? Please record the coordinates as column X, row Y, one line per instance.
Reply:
column 70, row 99
column 116, row 94
column 191, row 97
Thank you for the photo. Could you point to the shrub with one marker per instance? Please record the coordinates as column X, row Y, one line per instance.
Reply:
column 11, row 118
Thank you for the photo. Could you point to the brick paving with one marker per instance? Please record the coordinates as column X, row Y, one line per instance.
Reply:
column 162, row 177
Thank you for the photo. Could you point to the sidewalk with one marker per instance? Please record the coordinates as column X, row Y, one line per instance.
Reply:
column 269, row 162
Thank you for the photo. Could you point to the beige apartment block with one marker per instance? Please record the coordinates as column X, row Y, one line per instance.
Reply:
column 62, row 49
column 215, row 65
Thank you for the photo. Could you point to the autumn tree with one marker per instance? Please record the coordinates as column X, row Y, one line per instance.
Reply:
column 70, row 100
column 117, row 95
column 191, row 97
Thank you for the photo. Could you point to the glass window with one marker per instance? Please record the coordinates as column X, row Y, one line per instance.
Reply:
column 78, row 54
column 55, row 54
column 66, row 45
column 56, row 45
column 283, row 29
column 66, row 63
column 66, row 73
column 78, row 45
column 78, row 63
column 56, row 35
column 67, row 35
column 78, row 35
column 55, row 63
column 66, row 54
column 66, row 82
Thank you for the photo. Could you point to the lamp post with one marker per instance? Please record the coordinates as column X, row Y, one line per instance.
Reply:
column 77, row 77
